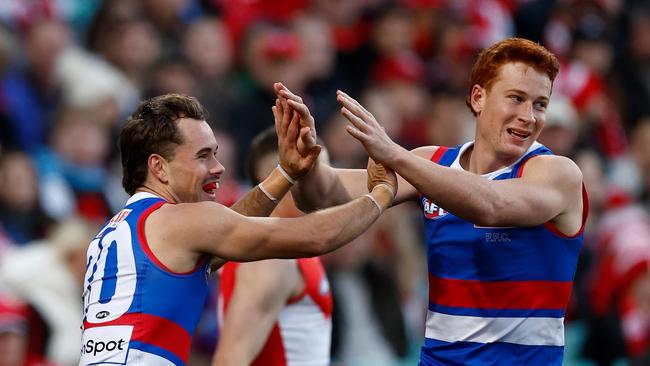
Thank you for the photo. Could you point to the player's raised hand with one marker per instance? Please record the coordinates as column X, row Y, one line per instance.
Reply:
column 380, row 175
column 287, row 127
column 365, row 128
column 307, row 131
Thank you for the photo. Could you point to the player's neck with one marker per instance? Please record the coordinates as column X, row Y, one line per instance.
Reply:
column 158, row 192
column 481, row 159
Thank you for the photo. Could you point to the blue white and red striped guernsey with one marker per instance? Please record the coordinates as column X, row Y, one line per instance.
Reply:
column 497, row 296
column 136, row 310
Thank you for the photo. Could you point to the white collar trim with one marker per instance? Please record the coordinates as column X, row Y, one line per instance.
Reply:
column 140, row 196
column 494, row 174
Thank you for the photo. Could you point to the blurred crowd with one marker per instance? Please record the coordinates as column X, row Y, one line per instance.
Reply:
column 72, row 70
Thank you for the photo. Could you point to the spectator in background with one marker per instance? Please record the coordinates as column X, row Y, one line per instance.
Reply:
column 172, row 75
column 89, row 82
column 208, row 47
column 73, row 169
column 448, row 122
column 30, row 95
column 617, row 290
column 21, row 215
column 231, row 188
column 318, row 61
column 15, row 347
column 562, row 126
column 48, row 274
column 6, row 48
column 270, row 54
column 633, row 65
column 640, row 149
column 342, row 153
column 399, row 76
column 123, row 36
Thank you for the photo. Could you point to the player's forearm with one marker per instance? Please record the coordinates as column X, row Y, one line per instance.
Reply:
column 305, row 236
column 258, row 203
column 334, row 227
column 466, row 195
column 320, row 188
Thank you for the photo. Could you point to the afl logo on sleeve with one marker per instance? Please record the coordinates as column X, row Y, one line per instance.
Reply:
column 430, row 210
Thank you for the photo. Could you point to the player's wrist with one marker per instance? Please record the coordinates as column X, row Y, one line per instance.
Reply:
column 383, row 194
column 275, row 186
column 385, row 187
column 292, row 179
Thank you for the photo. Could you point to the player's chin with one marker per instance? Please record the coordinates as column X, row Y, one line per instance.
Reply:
column 207, row 196
column 514, row 150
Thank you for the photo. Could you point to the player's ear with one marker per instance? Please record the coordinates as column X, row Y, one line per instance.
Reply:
column 158, row 167
column 477, row 98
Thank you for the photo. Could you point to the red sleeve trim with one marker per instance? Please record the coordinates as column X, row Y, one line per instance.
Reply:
column 585, row 214
column 440, row 151
column 585, row 209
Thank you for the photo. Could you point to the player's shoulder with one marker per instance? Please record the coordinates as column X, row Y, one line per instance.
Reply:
column 554, row 165
column 177, row 218
column 426, row 151
column 173, row 210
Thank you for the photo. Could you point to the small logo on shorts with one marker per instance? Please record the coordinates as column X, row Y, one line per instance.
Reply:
column 102, row 314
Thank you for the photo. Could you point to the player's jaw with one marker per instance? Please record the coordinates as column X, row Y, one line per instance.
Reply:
column 515, row 139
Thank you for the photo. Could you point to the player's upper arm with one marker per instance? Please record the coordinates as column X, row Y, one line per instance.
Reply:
column 549, row 187
column 208, row 227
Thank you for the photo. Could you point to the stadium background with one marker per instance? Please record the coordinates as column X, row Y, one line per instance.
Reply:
column 72, row 70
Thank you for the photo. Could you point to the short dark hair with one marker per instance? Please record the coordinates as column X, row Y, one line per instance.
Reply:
column 489, row 62
column 152, row 129
column 263, row 144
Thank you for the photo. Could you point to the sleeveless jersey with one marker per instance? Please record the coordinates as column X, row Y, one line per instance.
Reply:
column 136, row 311
column 302, row 333
column 497, row 295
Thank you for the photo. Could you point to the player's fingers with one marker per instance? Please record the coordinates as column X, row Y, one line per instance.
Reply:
column 277, row 87
column 285, row 92
column 354, row 132
column 277, row 111
column 302, row 109
column 307, row 137
column 287, row 113
column 354, row 119
column 276, row 119
column 353, row 108
column 353, row 101
column 283, row 120
column 294, row 127
column 313, row 154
